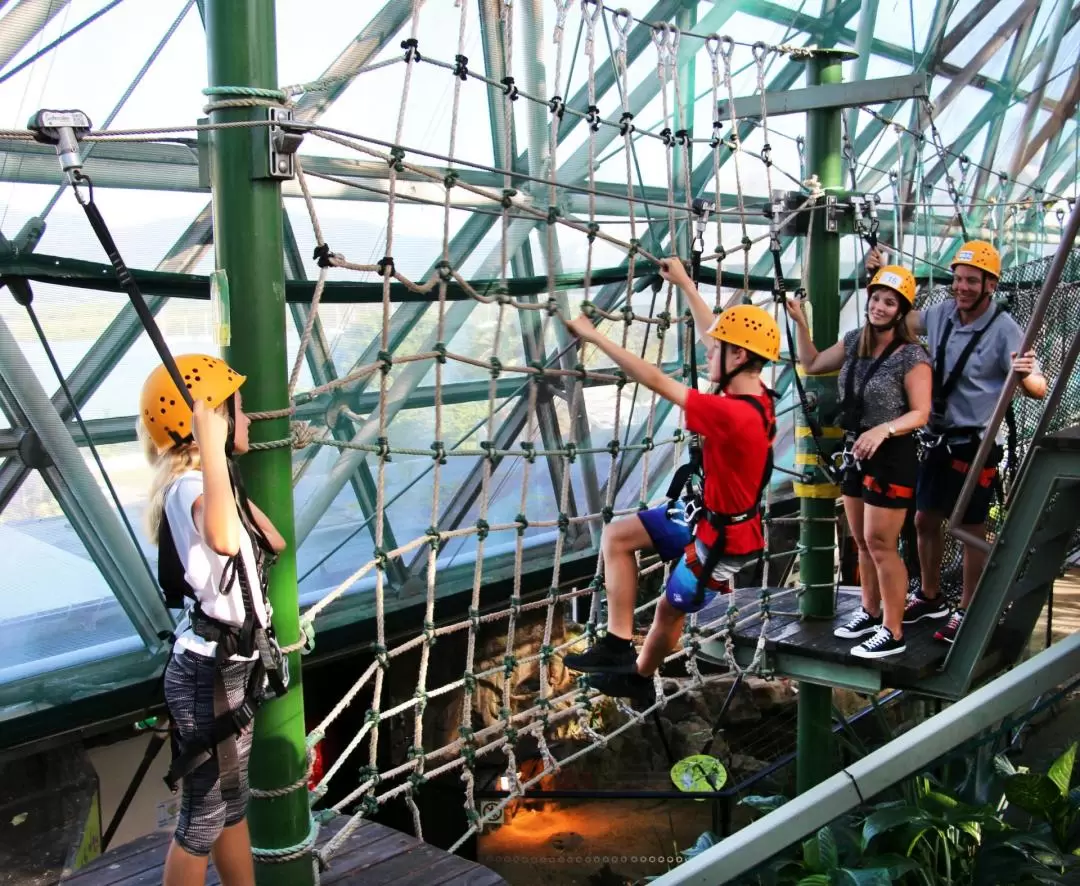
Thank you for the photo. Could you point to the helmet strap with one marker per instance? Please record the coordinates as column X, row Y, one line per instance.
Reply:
column 230, row 439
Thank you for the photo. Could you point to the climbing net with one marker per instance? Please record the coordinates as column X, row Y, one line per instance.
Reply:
column 527, row 199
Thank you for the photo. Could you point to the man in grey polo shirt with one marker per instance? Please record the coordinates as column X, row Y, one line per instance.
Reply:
column 973, row 347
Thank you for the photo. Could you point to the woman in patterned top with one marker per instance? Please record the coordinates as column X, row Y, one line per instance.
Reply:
column 885, row 388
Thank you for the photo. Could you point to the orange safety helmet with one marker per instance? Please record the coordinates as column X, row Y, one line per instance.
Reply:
column 899, row 279
column 979, row 254
column 164, row 413
column 750, row 327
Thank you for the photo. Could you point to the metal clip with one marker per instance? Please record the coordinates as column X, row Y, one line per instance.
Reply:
column 283, row 143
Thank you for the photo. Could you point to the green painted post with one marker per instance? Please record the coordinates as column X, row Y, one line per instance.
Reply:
column 824, row 158
column 248, row 241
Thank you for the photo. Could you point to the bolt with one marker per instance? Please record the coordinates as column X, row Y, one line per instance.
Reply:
column 283, row 165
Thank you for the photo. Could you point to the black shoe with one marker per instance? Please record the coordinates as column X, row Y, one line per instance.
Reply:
column 634, row 687
column 920, row 607
column 881, row 645
column 604, row 658
column 861, row 624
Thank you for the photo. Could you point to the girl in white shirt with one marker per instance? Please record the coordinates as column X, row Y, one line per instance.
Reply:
column 192, row 497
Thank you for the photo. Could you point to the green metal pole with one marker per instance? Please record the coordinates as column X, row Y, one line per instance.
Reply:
column 824, row 158
column 249, row 246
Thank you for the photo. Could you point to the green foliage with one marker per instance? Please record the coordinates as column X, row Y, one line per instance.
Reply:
column 961, row 835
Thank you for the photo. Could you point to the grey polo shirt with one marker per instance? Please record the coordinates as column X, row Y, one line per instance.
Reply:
column 979, row 386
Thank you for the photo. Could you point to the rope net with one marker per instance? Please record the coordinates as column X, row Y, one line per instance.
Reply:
column 523, row 201
column 537, row 377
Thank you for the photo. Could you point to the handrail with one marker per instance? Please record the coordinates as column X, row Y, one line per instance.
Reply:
column 1050, row 282
column 906, row 755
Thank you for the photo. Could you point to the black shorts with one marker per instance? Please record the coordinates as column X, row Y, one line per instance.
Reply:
column 887, row 480
column 942, row 475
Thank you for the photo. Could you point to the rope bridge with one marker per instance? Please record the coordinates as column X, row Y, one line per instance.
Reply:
column 525, row 200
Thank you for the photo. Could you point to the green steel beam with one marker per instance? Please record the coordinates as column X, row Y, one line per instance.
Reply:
column 248, row 239
column 112, row 549
column 965, row 26
column 864, row 37
column 830, row 96
column 824, row 158
column 111, row 346
column 321, row 365
column 23, row 22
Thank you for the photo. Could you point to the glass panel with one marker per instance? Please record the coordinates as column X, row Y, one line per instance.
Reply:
column 61, row 611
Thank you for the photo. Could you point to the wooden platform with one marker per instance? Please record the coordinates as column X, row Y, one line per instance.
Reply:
column 374, row 855
column 814, row 638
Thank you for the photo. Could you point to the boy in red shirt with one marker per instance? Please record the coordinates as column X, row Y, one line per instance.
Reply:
column 713, row 538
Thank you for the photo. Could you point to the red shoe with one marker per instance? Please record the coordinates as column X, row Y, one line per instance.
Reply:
column 948, row 633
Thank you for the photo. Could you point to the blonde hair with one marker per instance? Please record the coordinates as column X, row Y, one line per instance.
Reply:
column 167, row 467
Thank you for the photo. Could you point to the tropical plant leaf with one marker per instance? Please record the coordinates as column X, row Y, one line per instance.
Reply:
column 867, row 876
column 936, row 798
column 1061, row 772
column 763, row 804
column 1033, row 792
column 827, row 851
column 702, row 843
column 1004, row 766
column 887, row 819
column 812, row 855
column 816, row 880
column 896, row 865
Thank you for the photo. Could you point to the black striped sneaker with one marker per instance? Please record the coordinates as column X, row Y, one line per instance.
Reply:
column 860, row 625
column 881, row 645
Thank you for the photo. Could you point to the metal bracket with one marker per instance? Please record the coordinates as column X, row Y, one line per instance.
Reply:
column 31, row 451
column 831, row 214
column 283, row 144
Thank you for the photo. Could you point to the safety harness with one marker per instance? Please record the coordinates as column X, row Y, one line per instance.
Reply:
column 936, row 432
column 853, row 404
column 269, row 677
column 696, row 511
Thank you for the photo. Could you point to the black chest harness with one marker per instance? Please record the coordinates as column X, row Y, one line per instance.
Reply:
column 270, row 675
column 854, row 403
column 936, row 433
column 687, row 488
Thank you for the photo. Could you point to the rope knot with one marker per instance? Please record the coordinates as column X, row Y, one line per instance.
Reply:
column 509, row 663
column 625, row 126
column 470, row 686
column 417, row 780
column 608, row 513
column 813, row 184
column 553, row 215
column 508, row 196
column 613, row 447
column 515, row 605
column 593, row 228
column 412, row 49
column 522, row 524
column 439, row 449
column 564, row 523
column 667, row 137
column 553, row 594
column 386, row 359
column 461, row 66
column 721, row 253
column 570, row 452
column 502, row 297
column 496, row 366
column 581, row 371
column 589, row 310
column 552, row 307
column 397, row 157
column 489, row 449
column 766, row 154
column 303, row 434
column 592, row 117
column 384, row 449
column 449, row 180
column 437, row 541
column 372, row 716
column 634, row 247
column 509, row 89
column 322, row 255
column 369, row 805
column 381, row 560
column 440, row 351
column 386, row 266
column 530, row 452
column 682, row 137
column 482, row 530
column 429, row 639
column 647, row 444
column 511, row 735
column 557, row 106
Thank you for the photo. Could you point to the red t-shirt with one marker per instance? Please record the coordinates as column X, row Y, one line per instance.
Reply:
column 734, row 449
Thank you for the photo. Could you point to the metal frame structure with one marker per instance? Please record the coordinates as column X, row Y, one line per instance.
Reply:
column 1048, row 126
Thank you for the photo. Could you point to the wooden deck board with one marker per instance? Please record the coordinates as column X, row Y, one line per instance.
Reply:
column 814, row 637
column 373, row 854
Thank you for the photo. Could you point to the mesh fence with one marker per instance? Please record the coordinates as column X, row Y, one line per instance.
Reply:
column 1018, row 292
